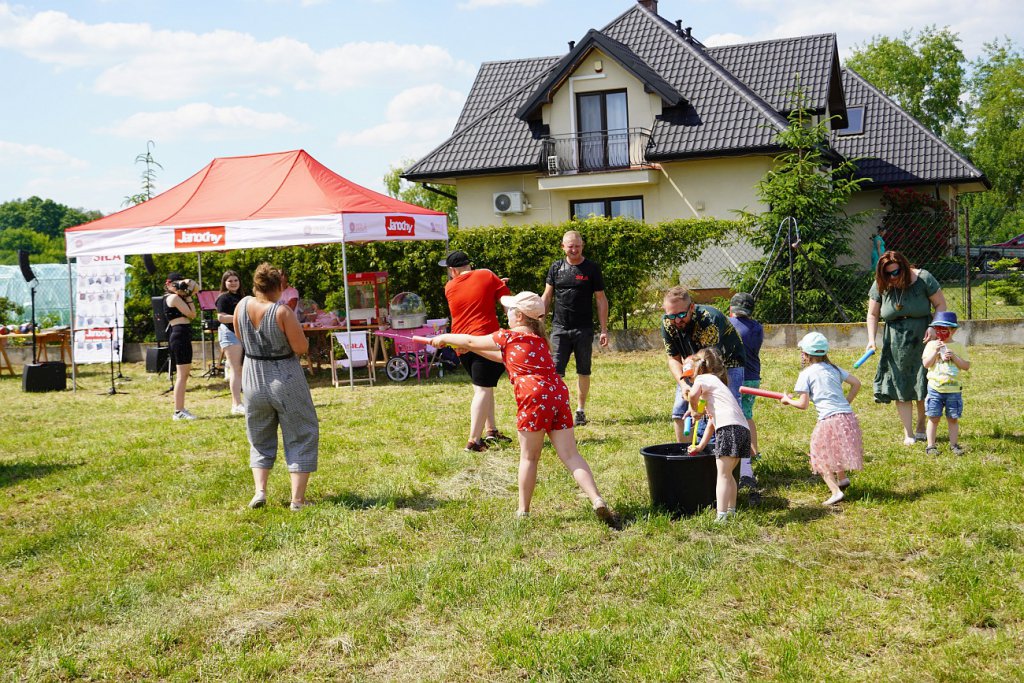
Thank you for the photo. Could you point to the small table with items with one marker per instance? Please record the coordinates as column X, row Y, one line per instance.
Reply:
column 44, row 337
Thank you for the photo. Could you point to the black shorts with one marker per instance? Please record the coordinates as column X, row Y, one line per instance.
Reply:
column 483, row 372
column 579, row 342
column 179, row 342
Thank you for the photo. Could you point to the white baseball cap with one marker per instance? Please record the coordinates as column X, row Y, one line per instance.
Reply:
column 527, row 303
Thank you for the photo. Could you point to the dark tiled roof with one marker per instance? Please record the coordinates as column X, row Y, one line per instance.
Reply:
column 495, row 81
column 531, row 110
column 495, row 141
column 773, row 68
column 724, row 116
column 735, row 97
column 895, row 148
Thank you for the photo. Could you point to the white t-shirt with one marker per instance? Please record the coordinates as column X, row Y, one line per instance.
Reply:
column 721, row 405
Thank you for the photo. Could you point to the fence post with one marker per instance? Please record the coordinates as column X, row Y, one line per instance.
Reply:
column 967, row 259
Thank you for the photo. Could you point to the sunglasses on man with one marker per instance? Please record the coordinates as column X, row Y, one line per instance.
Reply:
column 677, row 316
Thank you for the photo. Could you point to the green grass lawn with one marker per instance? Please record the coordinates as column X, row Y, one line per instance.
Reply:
column 127, row 552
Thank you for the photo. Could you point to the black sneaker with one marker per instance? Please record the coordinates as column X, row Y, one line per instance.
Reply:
column 494, row 437
column 957, row 449
column 477, row 446
column 581, row 418
column 748, row 483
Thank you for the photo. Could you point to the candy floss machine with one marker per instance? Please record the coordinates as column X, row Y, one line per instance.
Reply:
column 367, row 293
column 407, row 311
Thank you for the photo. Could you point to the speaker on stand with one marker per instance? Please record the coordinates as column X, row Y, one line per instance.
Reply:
column 38, row 376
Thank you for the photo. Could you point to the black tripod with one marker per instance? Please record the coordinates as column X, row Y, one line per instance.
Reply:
column 114, row 343
column 211, row 325
column 792, row 241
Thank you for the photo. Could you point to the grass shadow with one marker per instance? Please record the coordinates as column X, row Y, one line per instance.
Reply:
column 354, row 501
column 12, row 473
column 800, row 514
column 868, row 492
column 658, row 418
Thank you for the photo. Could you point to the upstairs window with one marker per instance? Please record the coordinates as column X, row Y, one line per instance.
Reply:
column 603, row 126
column 855, row 116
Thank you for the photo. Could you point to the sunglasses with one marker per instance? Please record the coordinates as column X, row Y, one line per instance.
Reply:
column 894, row 273
column 677, row 316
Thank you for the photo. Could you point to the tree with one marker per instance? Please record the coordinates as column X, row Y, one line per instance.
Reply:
column 37, row 226
column 419, row 195
column 997, row 141
column 805, row 185
column 925, row 75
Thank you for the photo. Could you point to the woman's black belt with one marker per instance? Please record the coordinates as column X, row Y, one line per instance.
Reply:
column 290, row 355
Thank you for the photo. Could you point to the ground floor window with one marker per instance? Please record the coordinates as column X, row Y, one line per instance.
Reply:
column 629, row 207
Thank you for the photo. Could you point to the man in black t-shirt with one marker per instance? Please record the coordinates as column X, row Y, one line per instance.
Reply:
column 573, row 283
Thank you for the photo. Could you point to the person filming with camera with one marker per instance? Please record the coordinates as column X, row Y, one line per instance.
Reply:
column 181, row 311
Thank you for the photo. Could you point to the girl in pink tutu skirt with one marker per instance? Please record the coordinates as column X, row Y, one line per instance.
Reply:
column 836, row 443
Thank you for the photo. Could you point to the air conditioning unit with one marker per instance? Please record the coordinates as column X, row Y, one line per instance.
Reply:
column 553, row 167
column 509, row 202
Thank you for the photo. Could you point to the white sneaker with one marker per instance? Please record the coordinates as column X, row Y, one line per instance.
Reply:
column 258, row 500
column 183, row 415
column 238, row 410
column 834, row 499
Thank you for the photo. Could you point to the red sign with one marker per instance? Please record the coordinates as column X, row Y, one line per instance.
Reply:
column 188, row 238
column 400, row 226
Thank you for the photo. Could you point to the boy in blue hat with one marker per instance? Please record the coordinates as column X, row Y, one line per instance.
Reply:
column 944, row 360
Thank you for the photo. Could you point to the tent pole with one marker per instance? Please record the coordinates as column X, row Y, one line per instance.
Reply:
column 71, row 326
column 348, row 317
column 199, row 307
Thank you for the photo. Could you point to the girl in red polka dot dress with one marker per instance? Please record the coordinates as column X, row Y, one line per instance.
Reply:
column 541, row 396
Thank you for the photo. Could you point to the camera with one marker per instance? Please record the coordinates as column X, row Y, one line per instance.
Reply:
column 186, row 286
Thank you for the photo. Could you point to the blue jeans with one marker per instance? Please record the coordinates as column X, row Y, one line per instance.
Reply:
column 935, row 401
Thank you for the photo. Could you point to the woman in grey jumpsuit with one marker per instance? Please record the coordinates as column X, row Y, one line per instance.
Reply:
column 276, row 392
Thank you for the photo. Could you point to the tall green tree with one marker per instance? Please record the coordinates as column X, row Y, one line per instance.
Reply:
column 924, row 73
column 37, row 226
column 997, row 141
column 809, row 187
column 419, row 195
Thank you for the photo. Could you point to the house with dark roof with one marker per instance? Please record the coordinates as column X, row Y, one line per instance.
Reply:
column 641, row 119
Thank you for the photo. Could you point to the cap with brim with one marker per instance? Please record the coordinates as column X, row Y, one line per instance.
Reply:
column 945, row 319
column 527, row 303
column 454, row 259
column 742, row 303
column 814, row 344
column 174, row 275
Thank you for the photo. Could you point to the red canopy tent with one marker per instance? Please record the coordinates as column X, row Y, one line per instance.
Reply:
column 266, row 200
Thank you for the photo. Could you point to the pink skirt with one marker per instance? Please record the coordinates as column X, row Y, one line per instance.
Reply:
column 837, row 444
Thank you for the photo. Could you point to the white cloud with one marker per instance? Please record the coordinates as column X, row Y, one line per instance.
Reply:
column 16, row 154
column 477, row 4
column 417, row 118
column 716, row 39
column 140, row 61
column 976, row 23
column 202, row 121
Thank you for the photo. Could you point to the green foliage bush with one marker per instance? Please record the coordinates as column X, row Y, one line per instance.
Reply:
column 631, row 254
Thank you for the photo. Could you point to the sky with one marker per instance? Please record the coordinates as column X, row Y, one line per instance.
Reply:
column 359, row 84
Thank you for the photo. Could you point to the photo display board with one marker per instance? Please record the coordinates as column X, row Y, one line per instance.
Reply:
column 99, row 309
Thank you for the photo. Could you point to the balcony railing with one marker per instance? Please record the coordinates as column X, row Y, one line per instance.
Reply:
column 603, row 150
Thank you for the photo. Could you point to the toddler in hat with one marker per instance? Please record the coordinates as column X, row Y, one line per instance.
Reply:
column 944, row 360
column 836, row 442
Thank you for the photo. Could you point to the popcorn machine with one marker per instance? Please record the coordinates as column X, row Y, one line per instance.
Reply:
column 368, row 296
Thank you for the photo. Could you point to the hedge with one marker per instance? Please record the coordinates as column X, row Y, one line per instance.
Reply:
column 632, row 255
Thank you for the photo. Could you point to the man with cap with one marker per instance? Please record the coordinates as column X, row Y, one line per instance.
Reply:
column 472, row 297
column 572, row 286
column 741, row 307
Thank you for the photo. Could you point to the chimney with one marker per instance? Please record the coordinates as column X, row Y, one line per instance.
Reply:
column 572, row 45
column 650, row 5
column 688, row 33
column 679, row 25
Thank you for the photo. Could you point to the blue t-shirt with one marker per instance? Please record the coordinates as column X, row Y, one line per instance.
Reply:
column 752, row 334
column 824, row 384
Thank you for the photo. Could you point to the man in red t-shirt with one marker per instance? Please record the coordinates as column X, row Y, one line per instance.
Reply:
column 472, row 296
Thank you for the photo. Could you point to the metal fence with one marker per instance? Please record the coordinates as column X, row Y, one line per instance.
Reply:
column 828, row 289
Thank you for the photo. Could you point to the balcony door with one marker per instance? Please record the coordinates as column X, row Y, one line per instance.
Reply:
column 603, row 128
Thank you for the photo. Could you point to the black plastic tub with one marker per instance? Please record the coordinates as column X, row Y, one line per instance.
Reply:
column 679, row 483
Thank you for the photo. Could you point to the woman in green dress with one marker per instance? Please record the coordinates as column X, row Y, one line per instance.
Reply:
column 904, row 298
